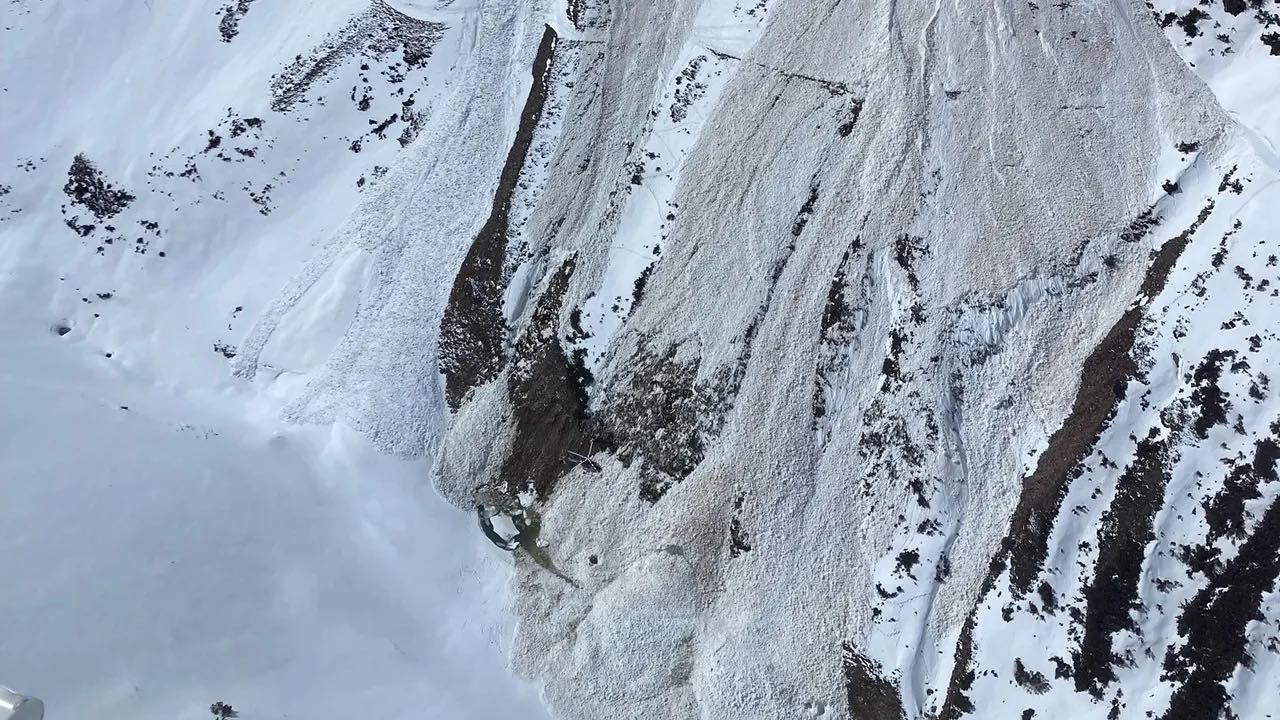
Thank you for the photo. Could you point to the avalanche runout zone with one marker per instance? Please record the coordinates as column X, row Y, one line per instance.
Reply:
column 923, row 380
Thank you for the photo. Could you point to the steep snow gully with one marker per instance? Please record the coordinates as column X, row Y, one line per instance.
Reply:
column 919, row 353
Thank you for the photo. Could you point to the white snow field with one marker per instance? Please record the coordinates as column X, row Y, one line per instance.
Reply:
column 211, row 227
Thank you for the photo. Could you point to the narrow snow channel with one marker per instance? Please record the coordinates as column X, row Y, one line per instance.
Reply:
column 161, row 551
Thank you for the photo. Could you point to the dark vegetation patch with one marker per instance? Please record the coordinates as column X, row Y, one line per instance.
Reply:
column 232, row 12
column 1188, row 21
column 1048, row 598
column 837, row 309
column 642, row 281
column 891, row 369
column 234, row 140
column 473, row 330
column 375, row 34
column 689, row 89
column 1032, row 681
column 87, row 187
column 1214, row 622
column 872, row 696
column 663, row 415
column 1141, row 225
column 549, row 405
column 1272, row 41
column 839, row 324
column 1236, row 7
column 1231, row 182
column 906, row 562
column 906, row 251
column 1122, row 540
column 1225, row 511
column 1104, row 377
column 1208, row 396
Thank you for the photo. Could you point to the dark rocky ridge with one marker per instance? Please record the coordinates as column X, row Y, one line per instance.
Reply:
column 473, row 332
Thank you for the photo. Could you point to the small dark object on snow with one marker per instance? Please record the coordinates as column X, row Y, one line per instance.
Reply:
column 583, row 461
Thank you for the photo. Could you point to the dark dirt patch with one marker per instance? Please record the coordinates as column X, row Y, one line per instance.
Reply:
column 1113, row 593
column 473, row 331
column 957, row 702
column 1106, row 372
column 872, row 696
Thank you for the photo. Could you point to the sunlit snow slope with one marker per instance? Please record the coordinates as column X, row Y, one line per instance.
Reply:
column 213, row 222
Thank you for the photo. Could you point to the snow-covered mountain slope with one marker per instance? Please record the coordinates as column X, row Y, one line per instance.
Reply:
column 883, row 324
column 209, row 226
column 920, row 351
column 161, row 554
